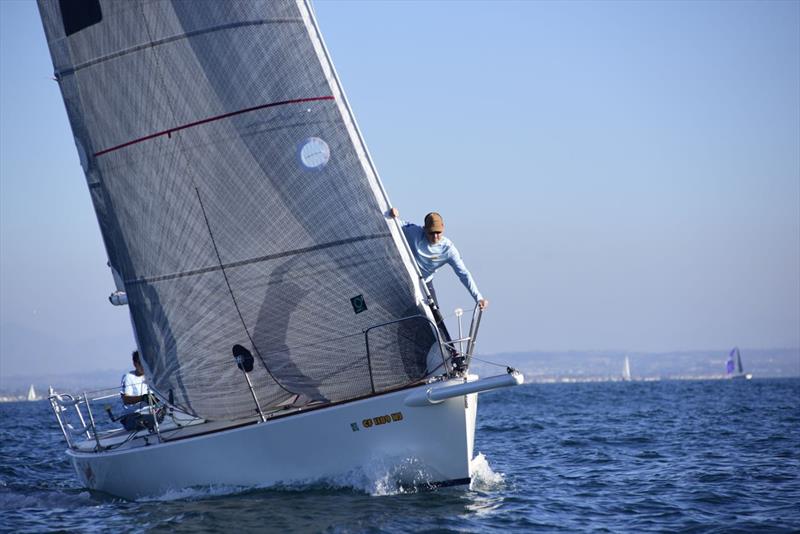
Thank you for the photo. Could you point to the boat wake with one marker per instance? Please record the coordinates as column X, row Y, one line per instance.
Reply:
column 196, row 493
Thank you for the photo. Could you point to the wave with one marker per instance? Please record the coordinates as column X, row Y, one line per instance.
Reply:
column 45, row 500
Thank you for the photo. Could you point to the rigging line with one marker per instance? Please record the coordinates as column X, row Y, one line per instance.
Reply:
column 233, row 297
column 170, row 131
column 451, row 315
column 126, row 440
column 490, row 363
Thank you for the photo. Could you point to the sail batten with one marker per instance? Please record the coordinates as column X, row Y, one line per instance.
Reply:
column 238, row 203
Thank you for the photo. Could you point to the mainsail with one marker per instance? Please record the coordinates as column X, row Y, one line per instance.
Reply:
column 237, row 201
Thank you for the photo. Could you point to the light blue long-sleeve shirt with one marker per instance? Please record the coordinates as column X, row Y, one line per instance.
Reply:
column 430, row 257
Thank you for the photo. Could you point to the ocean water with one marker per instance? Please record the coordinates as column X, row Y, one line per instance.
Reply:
column 696, row 456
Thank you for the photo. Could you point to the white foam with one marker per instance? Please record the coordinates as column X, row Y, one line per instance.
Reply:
column 195, row 493
column 483, row 476
column 382, row 477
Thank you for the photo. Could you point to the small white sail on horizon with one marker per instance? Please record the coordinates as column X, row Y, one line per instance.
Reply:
column 32, row 394
column 626, row 370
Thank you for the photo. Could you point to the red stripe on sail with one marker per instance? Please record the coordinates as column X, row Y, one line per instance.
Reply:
column 212, row 119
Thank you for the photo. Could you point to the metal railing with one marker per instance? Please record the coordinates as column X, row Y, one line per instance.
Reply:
column 445, row 346
column 396, row 321
column 477, row 314
column 76, row 417
column 74, row 424
column 465, row 355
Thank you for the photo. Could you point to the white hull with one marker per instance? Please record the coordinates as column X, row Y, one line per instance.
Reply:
column 743, row 376
column 426, row 444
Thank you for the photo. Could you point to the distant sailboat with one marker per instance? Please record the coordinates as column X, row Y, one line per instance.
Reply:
column 626, row 370
column 734, row 365
column 32, row 394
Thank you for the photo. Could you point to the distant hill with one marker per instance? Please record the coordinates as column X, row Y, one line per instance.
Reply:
column 763, row 363
column 537, row 366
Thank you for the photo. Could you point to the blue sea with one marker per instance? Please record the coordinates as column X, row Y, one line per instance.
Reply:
column 676, row 456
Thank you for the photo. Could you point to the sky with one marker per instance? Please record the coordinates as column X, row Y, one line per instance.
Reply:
column 616, row 175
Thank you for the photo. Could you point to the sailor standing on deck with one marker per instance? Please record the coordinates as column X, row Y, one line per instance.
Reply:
column 432, row 250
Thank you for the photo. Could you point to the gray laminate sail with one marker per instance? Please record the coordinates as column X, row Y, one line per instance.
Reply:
column 237, row 201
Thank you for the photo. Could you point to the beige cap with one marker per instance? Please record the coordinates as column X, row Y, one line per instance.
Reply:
column 434, row 222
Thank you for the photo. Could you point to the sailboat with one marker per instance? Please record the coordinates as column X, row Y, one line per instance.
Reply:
column 284, row 326
column 626, row 370
column 733, row 367
column 31, row 394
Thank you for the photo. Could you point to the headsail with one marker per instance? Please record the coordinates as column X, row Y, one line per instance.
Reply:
column 734, row 365
column 237, row 201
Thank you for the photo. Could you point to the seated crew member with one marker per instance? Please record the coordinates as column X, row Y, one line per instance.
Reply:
column 134, row 394
column 432, row 250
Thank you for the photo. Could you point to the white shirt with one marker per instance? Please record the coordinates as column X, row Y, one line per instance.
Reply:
column 430, row 257
column 133, row 385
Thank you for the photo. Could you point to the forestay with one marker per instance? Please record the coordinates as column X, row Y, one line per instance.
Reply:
column 237, row 201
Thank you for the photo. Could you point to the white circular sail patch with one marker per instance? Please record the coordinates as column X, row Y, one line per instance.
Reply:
column 314, row 153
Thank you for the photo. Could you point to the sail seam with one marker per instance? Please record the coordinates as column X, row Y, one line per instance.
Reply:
column 166, row 40
column 259, row 259
column 170, row 131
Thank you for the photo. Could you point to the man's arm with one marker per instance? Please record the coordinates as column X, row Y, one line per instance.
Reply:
column 394, row 213
column 466, row 278
column 411, row 230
